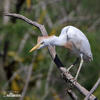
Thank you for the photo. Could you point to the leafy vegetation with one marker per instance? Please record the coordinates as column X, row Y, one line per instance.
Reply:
column 14, row 60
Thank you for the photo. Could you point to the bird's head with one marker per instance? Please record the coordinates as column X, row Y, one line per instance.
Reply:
column 88, row 57
column 42, row 42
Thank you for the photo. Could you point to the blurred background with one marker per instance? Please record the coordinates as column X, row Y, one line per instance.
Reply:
column 34, row 75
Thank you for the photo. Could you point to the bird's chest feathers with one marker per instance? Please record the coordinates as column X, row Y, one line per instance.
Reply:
column 69, row 45
column 73, row 47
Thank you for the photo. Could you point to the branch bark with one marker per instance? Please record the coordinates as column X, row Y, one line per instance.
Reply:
column 6, row 9
column 93, row 89
column 67, row 76
column 72, row 95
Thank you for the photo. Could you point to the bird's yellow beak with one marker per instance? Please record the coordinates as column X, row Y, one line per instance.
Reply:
column 35, row 47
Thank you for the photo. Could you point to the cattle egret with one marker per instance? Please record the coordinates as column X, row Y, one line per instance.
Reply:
column 71, row 38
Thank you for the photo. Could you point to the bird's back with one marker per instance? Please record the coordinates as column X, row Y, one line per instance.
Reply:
column 79, row 40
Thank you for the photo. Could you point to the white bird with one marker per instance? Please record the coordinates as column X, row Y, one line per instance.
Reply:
column 71, row 38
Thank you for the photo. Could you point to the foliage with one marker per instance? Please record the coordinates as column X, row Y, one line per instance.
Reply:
column 83, row 15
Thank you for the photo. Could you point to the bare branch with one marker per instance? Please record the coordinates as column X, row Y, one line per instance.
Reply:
column 27, row 82
column 22, row 43
column 67, row 76
column 49, row 2
column 28, row 78
column 72, row 94
column 70, row 18
column 6, row 9
column 48, row 20
column 13, row 76
column 48, row 81
column 92, row 27
column 93, row 89
column 23, row 18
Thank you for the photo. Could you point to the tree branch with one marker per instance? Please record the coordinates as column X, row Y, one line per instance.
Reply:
column 93, row 89
column 23, row 18
column 27, row 79
column 72, row 95
column 67, row 76
column 47, row 87
column 27, row 82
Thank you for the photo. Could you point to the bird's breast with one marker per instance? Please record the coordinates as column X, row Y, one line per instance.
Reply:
column 68, row 45
column 72, row 48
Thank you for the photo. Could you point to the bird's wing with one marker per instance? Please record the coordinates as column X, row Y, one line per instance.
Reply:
column 64, row 31
column 79, row 40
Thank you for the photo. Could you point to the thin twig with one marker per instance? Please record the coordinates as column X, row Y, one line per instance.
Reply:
column 54, row 56
column 55, row 94
column 13, row 76
column 22, row 43
column 72, row 94
column 48, row 19
column 27, row 82
column 36, row 77
column 7, row 4
column 27, row 79
column 97, row 22
column 49, row 2
column 93, row 89
column 71, row 18
column 48, row 81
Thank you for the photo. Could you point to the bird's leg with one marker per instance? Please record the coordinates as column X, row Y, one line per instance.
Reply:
column 76, row 61
column 69, row 67
column 80, row 66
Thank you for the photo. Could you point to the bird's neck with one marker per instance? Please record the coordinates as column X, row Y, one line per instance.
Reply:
column 56, row 41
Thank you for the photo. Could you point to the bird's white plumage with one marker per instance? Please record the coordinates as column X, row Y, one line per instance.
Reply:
column 79, row 40
column 71, row 38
